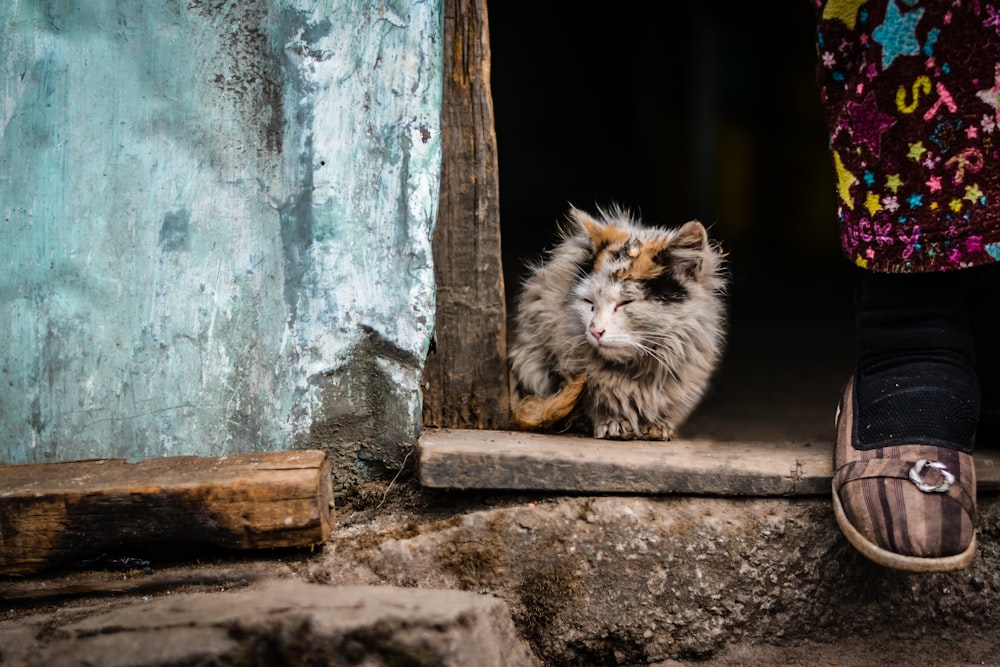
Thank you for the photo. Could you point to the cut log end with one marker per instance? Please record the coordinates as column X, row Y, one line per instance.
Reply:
column 53, row 514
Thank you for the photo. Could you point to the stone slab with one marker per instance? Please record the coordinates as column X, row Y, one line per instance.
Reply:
column 280, row 623
column 471, row 459
column 639, row 580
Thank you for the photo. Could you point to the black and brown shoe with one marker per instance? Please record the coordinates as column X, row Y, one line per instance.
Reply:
column 906, row 507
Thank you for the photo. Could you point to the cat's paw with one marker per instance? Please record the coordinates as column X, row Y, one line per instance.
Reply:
column 612, row 429
column 657, row 432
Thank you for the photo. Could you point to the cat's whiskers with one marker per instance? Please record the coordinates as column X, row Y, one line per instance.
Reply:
column 667, row 344
column 656, row 334
column 670, row 340
column 613, row 342
column 658, row 356
column 621, row 342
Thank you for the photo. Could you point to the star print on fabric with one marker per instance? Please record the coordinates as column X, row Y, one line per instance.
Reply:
column 915, row 200
column 898, row 34
column 973, row 193
column 893, row 182
column 845, row 11
column 917, row 151
column 955, row 205
column 872, row 203
column 868, row 123
column 934, row 183
column 991, row 96
column 845, row 180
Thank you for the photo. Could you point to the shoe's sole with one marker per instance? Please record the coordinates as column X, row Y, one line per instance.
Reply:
column 896, row 561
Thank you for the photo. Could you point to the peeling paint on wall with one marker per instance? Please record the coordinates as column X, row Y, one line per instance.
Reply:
column 216, row 227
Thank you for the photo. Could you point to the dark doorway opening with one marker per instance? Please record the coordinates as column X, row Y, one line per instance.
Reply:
column 704, row 110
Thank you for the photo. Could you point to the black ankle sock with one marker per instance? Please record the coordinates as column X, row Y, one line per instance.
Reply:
column 984, row 285
column 916, row 381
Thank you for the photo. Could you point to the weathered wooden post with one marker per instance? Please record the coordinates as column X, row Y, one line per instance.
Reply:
column 465, row 377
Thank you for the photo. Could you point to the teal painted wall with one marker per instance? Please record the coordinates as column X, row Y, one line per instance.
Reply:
column 216, row 226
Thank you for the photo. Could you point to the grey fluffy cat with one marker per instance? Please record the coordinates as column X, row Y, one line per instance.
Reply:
column 620, row 328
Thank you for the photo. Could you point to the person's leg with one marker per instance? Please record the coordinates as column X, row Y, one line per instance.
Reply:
column 904, row 478
column 915, row 381
column 902, row 92
column 984, row 311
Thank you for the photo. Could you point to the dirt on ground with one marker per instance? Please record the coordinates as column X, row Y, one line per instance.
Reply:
column 385, row 531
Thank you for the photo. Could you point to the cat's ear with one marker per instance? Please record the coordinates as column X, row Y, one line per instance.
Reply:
column 601, row 235
column 688, row 248
column 584, row 221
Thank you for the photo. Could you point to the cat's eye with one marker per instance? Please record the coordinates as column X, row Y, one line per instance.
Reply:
column 622, row 304
column 589, row 303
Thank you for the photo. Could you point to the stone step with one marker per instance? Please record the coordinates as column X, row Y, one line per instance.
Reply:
column 277, row 623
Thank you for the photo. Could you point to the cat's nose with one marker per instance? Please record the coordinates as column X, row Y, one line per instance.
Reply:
column 595, row 332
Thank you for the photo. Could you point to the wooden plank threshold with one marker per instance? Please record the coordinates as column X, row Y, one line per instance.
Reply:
column 510, row 460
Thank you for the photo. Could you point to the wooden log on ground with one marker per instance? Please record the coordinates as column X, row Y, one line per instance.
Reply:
column 52, row 514
column 30, row 591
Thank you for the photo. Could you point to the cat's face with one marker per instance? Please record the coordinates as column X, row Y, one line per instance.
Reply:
column 620, row 318
column 635, row 287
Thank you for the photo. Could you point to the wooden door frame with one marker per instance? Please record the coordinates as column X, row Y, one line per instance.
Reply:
column 465, row 376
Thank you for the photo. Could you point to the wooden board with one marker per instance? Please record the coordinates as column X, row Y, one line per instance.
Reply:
column 56, row 513
column 466, row 459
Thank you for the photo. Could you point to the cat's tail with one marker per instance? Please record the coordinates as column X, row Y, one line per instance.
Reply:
column 540, row 412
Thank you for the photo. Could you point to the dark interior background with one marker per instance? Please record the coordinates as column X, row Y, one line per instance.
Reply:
column 706, row 110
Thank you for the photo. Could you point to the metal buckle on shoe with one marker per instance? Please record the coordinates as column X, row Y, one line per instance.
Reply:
column 917, row 476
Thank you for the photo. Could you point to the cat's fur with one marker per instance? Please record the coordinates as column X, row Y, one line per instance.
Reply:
column 620, row 328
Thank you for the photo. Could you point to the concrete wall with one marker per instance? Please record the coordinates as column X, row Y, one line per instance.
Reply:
column 216, row 224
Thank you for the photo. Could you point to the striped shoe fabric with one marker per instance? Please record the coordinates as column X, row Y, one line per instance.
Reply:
column 906, row 507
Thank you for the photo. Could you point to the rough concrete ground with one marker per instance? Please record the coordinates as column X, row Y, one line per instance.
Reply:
column 606, row 580
column 635, row 580
column 615, row 580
